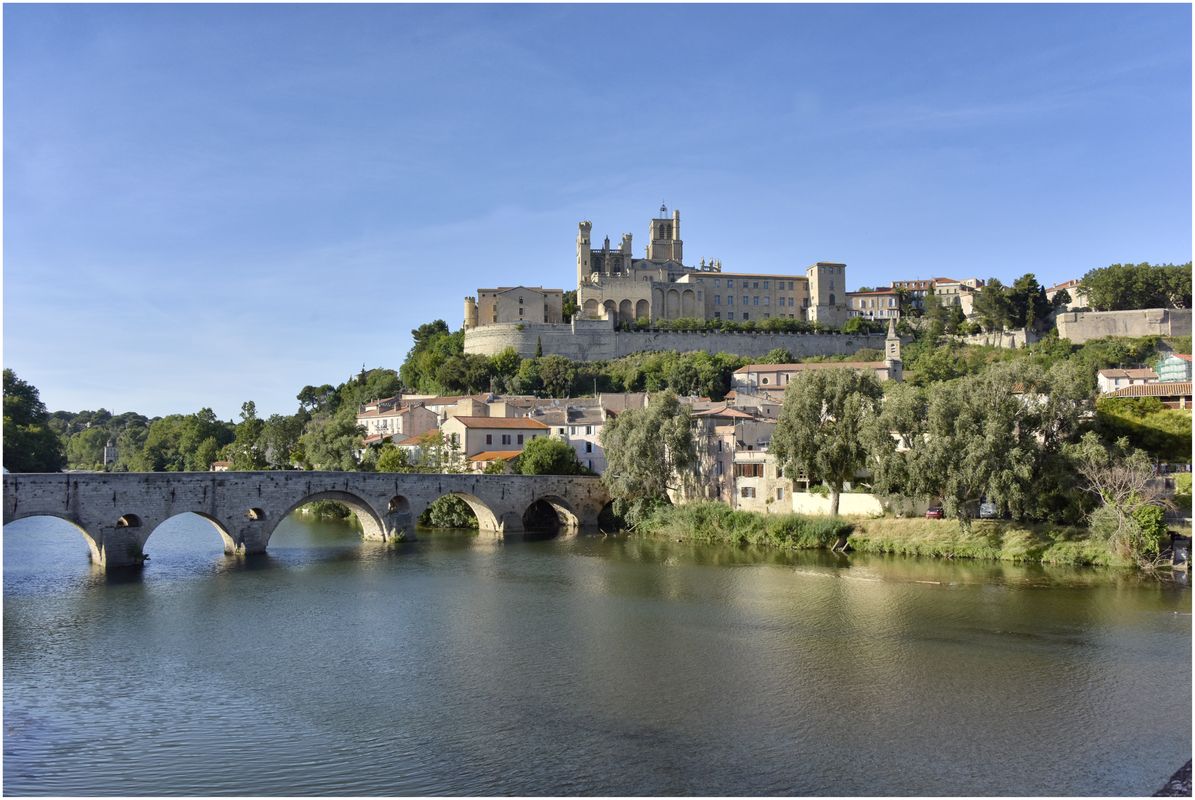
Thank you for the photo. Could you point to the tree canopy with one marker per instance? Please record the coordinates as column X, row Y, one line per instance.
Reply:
column 1121, row 287
column 30, row 444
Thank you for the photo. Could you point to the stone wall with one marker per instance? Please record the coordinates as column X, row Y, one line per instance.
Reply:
column 1082, row 326
column 596, row 340
column 1010, row 340
column 857, row 504
column 117, row 512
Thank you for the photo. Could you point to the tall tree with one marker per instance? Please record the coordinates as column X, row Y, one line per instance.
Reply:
column 1120, row 287
column 821, row 429
column 649, row 452
column 30, row 444
column 992, row 306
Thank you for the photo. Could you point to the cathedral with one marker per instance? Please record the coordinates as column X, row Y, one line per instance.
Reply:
column 612, row 283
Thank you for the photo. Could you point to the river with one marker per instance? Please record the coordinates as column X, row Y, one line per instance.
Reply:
column 593, row 665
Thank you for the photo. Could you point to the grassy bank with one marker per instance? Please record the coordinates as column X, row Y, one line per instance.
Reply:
column 718, row 522
column 993, row 540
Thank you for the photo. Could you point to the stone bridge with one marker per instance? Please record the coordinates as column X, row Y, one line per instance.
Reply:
column 117, row 512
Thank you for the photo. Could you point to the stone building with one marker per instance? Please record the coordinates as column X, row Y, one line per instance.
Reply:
column 514, row 304
column 882, row 303
column 613, row 284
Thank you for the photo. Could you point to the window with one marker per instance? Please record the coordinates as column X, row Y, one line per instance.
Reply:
column 717, row 283
column 520, row 438
column 588, row 430
column 506, row 438
column 717, row 315
column 719, row 445
column 730, row 315
column 765, row 284
column 489, row 438
column 747, row 491
column 780, row 494
column 766, row 299
column 717, row 299
column 589, row 447
column 755, row 284
column 756, row 299
column 729, row 283
column 746, row 300
column 561, row 430
column 746, row 315
column 730, row 299
column 764, row 381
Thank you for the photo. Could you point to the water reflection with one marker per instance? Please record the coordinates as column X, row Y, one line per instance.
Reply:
column 590, row 665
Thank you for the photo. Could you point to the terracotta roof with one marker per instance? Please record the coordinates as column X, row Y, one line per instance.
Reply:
column 412, row 441
column 815, row 365
column 881, row 290
column 944, row 280
column 1183, row 356
column 389, row 412
column 499, row 422
column 1170, row 389
column 1129, row 373
column 496, row 455
column 1064, row 284
column 723, row 411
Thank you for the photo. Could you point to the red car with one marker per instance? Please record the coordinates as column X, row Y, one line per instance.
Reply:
column 934, row 512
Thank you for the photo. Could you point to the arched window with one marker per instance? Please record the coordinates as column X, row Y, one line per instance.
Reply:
column 831, row 299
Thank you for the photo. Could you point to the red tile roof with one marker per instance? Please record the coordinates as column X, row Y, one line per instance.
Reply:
column 496, row 455
column 1171, row 389
column 499, row 422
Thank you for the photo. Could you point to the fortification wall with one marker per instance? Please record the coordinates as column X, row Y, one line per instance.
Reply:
column 1082, row 326
column 596, row 340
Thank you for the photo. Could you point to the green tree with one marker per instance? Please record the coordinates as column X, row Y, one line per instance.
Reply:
column 332, row 441
column 30, row 444
column 85, row 449
column 245, row 450
column 433, row 345
column 1028, row 306
column 1121, row 478
column 1120, row 287
column 556, row 373
column 465, row 373
column 821, row 429
column 569, row 305
column 992, row 306
column 544, row 455
column 649, row 452
column 393, row 459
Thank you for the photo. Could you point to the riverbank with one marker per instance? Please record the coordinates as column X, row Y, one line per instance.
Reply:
column 995, row 540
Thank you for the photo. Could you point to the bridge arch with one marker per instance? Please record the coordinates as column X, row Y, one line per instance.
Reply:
column 566, row 518
column 226, row 538
column 371, row 522
column 93, row 547
column 487, row 520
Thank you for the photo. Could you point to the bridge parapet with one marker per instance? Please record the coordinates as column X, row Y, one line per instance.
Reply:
column 117, row 512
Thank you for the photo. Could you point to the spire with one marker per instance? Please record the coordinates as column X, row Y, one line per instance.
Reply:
column 892, row 328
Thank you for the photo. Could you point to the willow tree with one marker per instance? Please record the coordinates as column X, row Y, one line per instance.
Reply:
column 649, row 452
column 822, row 430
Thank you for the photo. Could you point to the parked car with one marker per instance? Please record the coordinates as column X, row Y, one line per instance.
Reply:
column 988, row 511
column 933, row 512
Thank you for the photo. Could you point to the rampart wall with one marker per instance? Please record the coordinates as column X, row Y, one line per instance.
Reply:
column 1082, row 326
column 596, row 340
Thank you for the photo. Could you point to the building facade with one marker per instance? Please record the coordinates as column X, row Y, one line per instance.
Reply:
column 613, row 284
column 883, row 303
column 514, row 304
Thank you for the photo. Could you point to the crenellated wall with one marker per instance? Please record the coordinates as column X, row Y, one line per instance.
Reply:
column 596, row 340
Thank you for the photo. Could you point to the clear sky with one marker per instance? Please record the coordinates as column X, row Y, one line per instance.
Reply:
column 210, row 204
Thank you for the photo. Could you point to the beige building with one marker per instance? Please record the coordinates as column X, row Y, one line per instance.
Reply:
column 757, row 378
column 385, row 419
column 612, row 283
column 1074, row 289
column 473, row 435
column 514, row 304
column 880, row 303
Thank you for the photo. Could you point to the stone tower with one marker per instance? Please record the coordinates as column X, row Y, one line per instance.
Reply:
column 583, row 256
column 892, row 354
column 827, row 293
column 470, row 313
column 664, row 241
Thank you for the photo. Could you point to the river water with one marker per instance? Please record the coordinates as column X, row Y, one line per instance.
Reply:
column 596, row 665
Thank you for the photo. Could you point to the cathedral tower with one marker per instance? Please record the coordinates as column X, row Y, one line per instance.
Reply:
column 665, row 242
column 583, row 255
column 892, row 353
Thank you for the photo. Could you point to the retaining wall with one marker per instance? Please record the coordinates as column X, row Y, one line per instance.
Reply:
column 596, row 340
column 1082, row 326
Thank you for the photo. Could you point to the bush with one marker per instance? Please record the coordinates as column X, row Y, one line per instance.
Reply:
column 718, row 522
column 448, row 511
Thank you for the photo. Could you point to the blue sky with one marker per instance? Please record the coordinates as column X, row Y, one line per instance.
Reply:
column 215, row 203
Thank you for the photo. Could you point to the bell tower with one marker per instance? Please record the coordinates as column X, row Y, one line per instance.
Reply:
column 664, row 241
column 583, row 254
column 892, row 353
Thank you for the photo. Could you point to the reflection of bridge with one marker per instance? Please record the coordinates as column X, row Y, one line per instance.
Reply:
column 117, row 512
